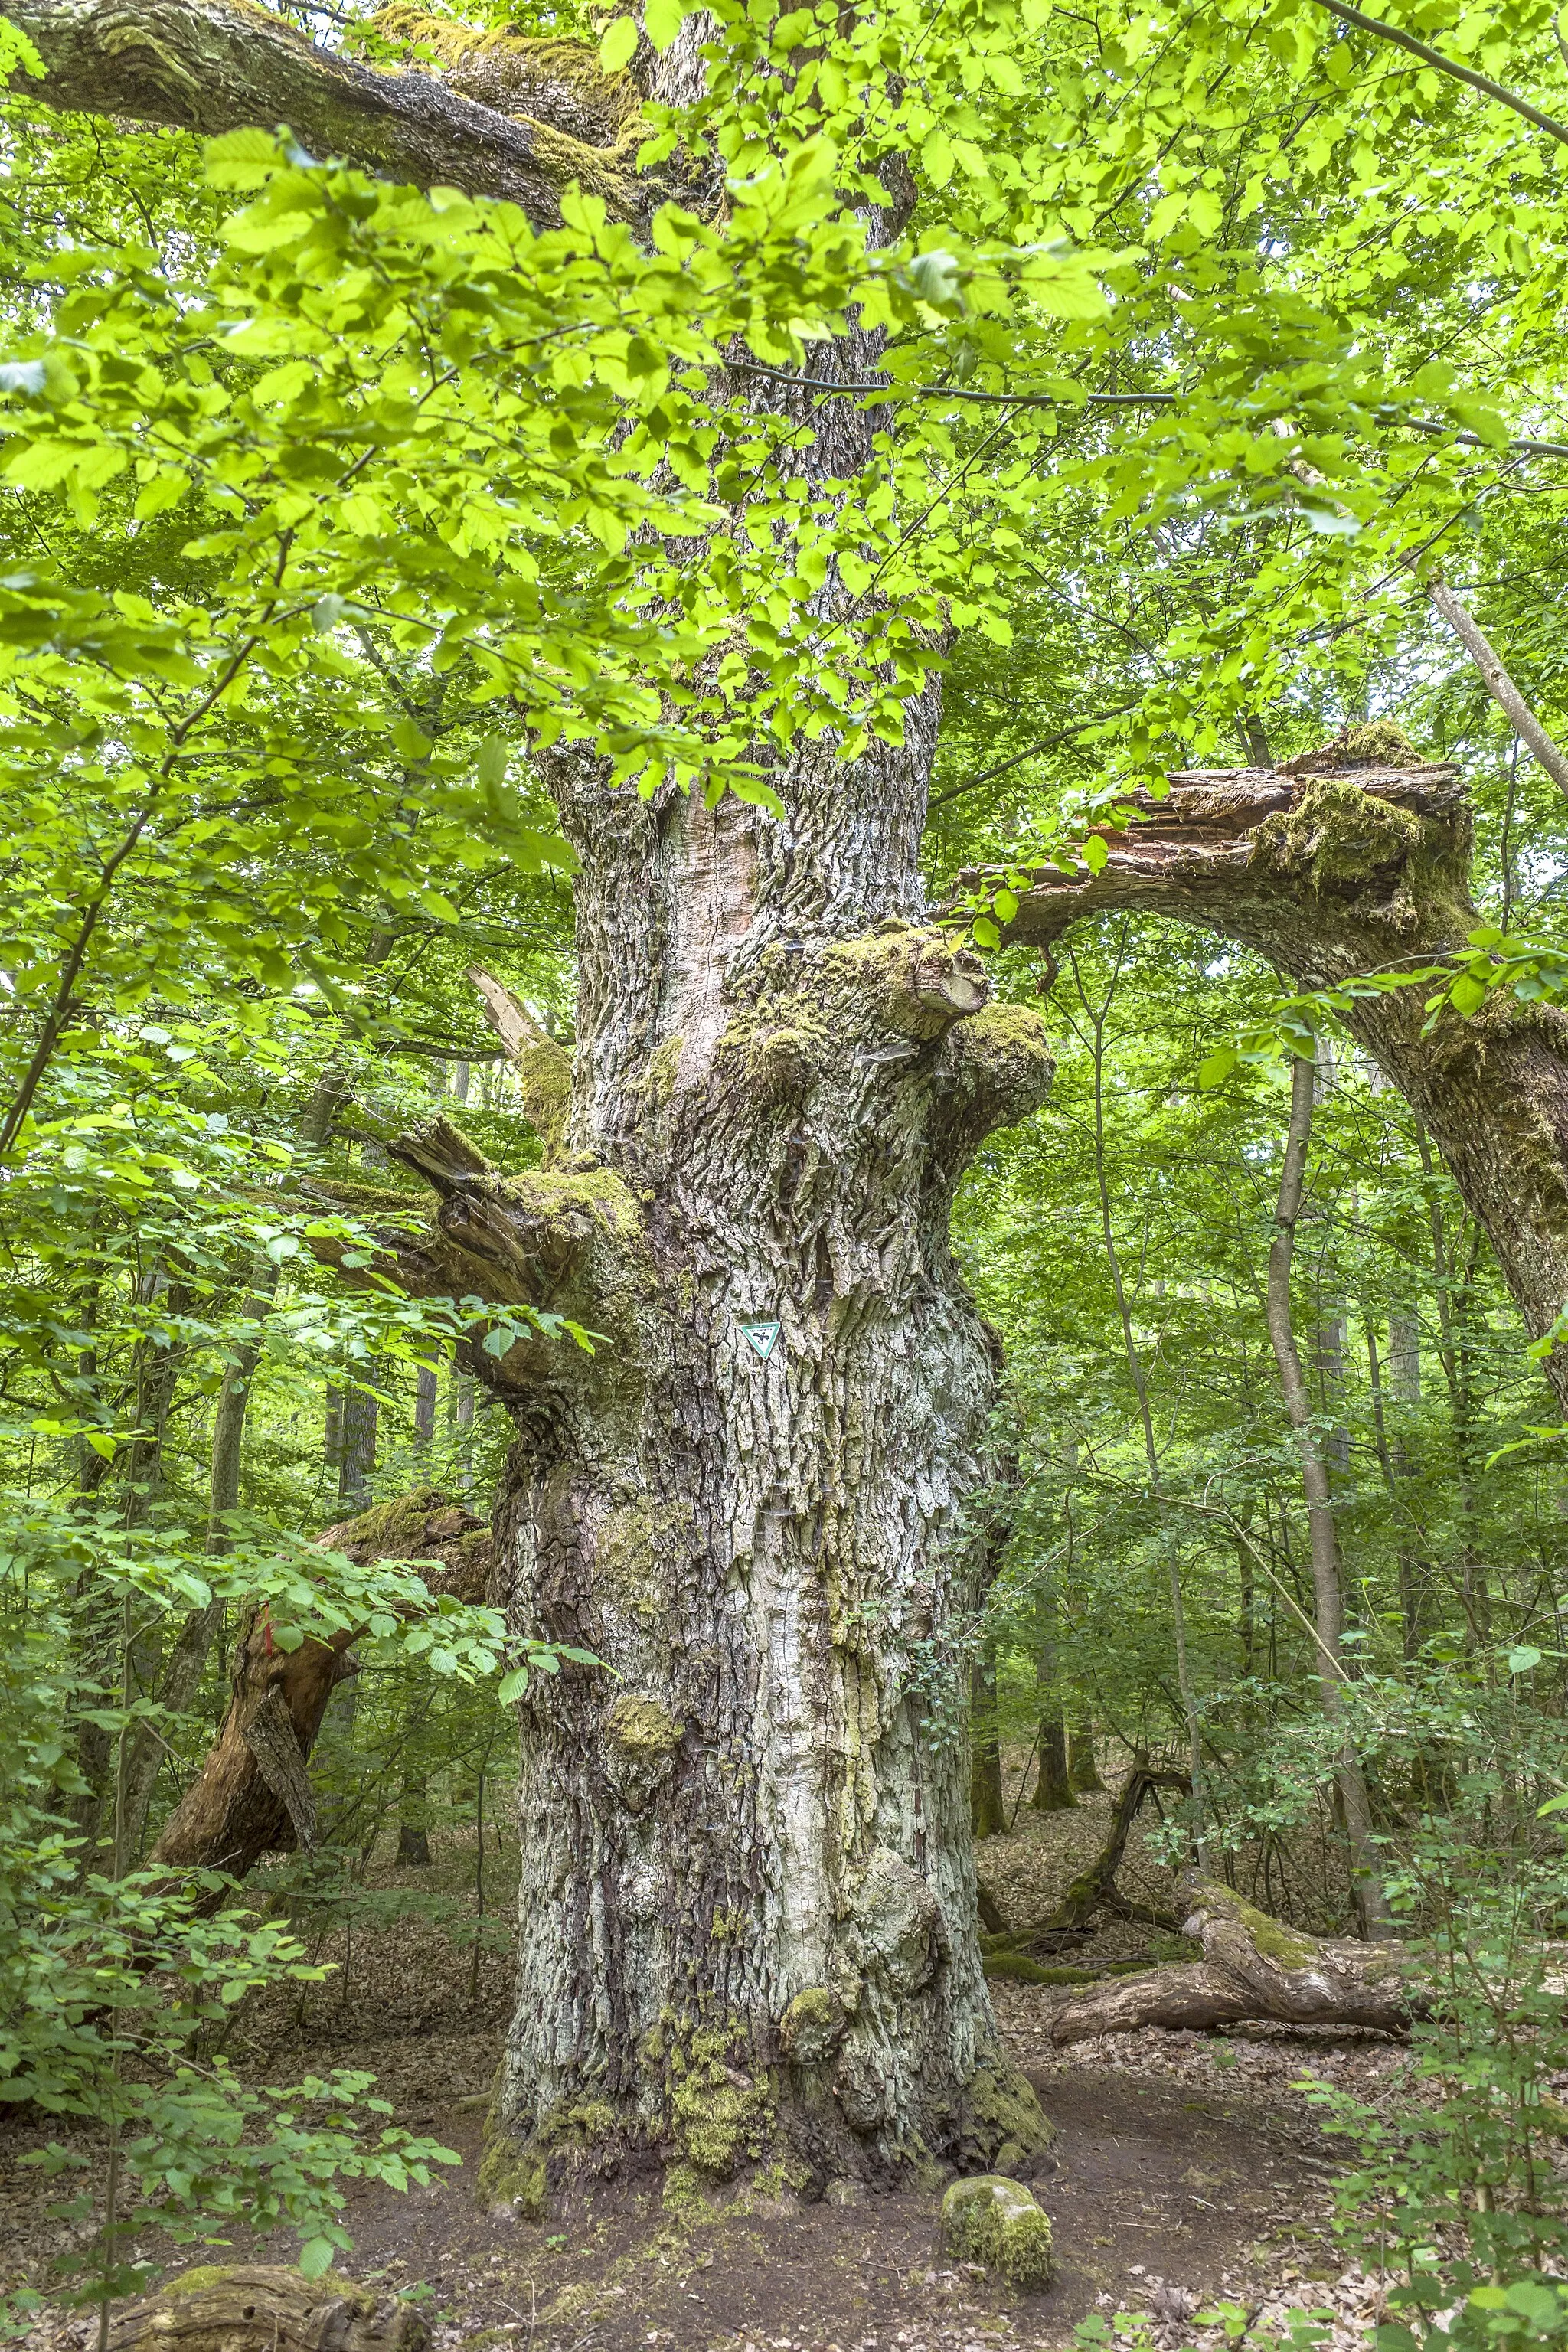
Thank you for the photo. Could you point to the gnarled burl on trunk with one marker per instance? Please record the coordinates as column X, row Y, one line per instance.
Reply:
column 748, row 1909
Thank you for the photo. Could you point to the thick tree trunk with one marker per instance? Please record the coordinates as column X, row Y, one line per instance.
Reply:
column 1333, row 869
column 748, row 1914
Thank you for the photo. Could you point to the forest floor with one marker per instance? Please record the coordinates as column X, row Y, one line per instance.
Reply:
column 1189, row 2169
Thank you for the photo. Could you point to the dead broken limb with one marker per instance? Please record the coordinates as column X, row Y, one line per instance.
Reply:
column 1254, row 1970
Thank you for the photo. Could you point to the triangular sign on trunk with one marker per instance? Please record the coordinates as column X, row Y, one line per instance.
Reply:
column 761, row 1337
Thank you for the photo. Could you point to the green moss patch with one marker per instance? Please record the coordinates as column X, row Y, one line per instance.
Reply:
column 997, row 2222
column 1017, row 1968
column 642, row 1727
column 1002, row 2125
column 721, row 2114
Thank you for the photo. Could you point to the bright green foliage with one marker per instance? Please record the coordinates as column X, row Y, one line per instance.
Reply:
column 1461, row 2196
column 326, row 506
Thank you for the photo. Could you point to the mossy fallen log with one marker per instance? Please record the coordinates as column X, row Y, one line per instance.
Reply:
column 265, row 2307
column 1254, row 1970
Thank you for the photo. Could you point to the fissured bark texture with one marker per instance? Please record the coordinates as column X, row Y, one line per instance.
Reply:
column 748, row 1924
column 748, row 1906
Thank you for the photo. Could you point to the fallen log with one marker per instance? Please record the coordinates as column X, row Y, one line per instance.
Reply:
column 264, row 2306
column 252, row 1795
column 1254, row 1970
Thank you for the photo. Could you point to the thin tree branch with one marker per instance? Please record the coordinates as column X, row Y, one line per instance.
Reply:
column 1433, row 427
column 1498, row 683
column 1047, row 743
column 1431, row 56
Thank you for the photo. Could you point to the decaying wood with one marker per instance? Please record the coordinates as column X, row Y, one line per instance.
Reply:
column 252, row 1795
column 1253, row 1970
column 263, row 2307
column 1338, row 867
column 269, row 1736
column 543, row 1068
column 1095, row 1889
column 224, row 65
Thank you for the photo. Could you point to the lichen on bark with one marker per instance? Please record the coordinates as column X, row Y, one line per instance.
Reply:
column 747, row 1927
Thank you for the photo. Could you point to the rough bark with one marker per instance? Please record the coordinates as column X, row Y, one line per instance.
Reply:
column 1252, row 1969
column 509, row 117
column 252, row 1794
column 356, row 1441
column 748, row 1928
column 1332, row 870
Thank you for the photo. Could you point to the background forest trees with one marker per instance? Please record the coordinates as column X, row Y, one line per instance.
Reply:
column 1226, row 340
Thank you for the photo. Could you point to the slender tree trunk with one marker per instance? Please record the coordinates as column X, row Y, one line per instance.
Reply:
column 461, row 1407
column 413, row 1822
column 1403, row 1379
column 1083, row 1772
column 1097, row 1015
column 186, row 1661
column 425, row 1408
column 356, row 1461
column 1499, row 685
column 988, row 1811
column 1053, row 1790
column 1326, row 1587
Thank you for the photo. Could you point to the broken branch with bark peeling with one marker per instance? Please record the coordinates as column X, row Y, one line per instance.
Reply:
column 1254, row 1970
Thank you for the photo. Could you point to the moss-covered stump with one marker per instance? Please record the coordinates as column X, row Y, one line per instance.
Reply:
column 996, row 2221
column 218, row 2309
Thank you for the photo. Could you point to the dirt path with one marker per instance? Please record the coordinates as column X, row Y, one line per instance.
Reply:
column 1156, row 2185
column 1189, row 2168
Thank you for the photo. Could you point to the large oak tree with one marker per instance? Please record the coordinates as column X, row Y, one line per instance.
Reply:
column 749, row 1922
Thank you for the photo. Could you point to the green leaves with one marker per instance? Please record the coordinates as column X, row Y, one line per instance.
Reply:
column 617, row 44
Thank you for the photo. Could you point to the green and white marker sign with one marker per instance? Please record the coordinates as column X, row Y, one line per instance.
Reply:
column 761, row 1337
